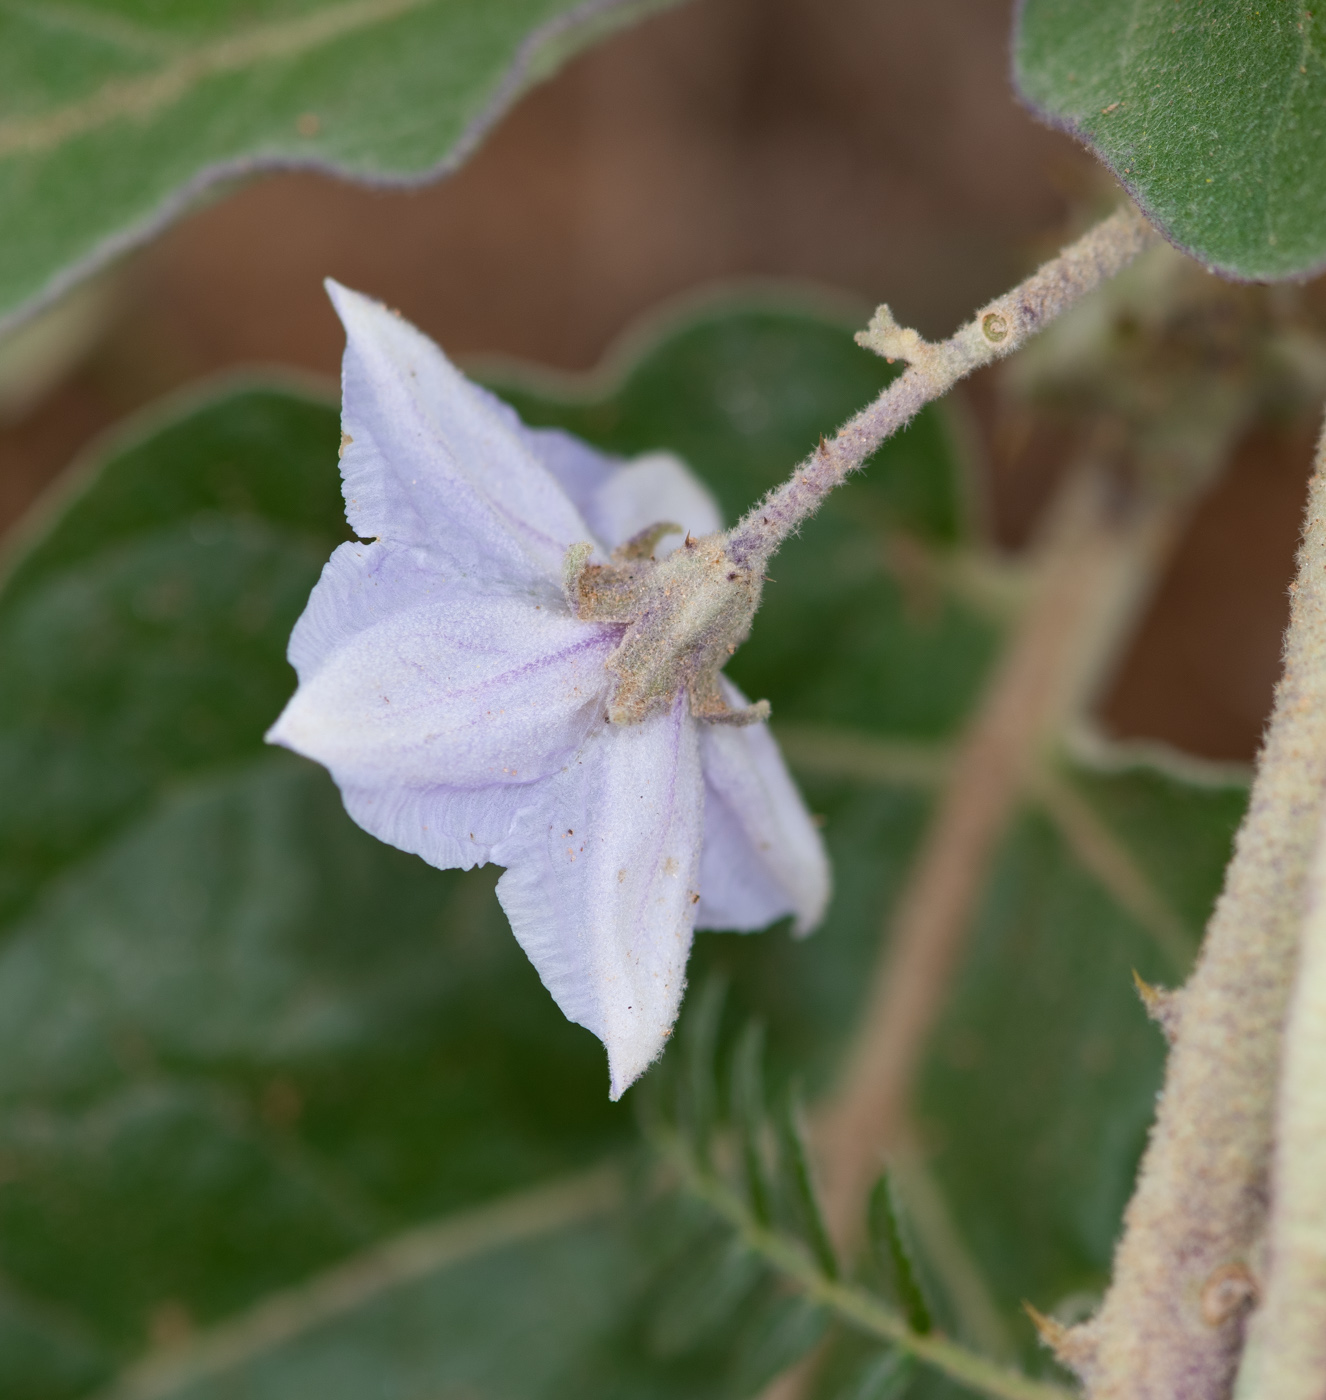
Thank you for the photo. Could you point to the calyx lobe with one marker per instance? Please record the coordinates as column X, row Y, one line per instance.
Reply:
column 685, row 615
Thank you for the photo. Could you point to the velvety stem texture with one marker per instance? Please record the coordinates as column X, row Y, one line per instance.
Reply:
column 995, row 331
column 1285, row 1358
column 1172, row 1324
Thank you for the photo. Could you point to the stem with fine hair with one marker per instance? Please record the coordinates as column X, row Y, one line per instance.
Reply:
column 995, row 331
column 1172, row 1324
column 1285, row 1356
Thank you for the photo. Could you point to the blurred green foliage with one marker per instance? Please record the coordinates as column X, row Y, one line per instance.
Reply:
column 284, row 1111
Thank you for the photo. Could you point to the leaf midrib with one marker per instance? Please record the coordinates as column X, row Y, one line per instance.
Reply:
column 111, row 30
column 410, row 1256
column 145, row 96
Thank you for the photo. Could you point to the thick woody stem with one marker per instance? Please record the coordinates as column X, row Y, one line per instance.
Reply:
column 1172, row 1324
column 1285, row 1358
column 995, row 331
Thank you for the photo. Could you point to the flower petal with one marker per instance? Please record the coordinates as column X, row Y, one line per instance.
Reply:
column 451, row 828
column 433, row 461
column 619, row 499
column 580, row 469
column 763, row 857
column 459, row 690
column 655, row 487
column 361, row 585
column 601, row 883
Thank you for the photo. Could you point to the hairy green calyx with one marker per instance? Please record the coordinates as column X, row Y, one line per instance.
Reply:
column 685, row 617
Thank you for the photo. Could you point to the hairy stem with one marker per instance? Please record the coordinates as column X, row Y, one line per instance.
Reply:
column 1172, row 1324
column 995, row 331
column 1088, row 562
column 1285, row 1358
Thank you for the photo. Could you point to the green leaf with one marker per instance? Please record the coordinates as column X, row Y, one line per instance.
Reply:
column 528, row 1281
column 704, row 1291
column 885, row 1377
column 781, row 1333
column 855, row 1367
column 115, row 115
column 700, row 1048
column 748, row 1116
column 799, row 1187
column 1212, row 116
column 893, row 1255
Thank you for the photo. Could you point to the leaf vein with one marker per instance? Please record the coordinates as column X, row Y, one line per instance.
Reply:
column 408, row 1257
column 142, row 97
column 111, row 30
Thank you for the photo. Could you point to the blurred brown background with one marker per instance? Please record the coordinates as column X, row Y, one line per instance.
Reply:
column 870, row 146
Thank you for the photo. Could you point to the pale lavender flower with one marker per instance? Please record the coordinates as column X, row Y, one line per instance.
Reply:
column 461, row 705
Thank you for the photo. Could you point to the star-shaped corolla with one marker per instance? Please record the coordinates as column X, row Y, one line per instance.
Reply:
column 462, row 707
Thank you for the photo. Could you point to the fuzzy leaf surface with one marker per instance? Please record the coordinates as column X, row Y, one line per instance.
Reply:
column 115, row 115
column 1212, row 116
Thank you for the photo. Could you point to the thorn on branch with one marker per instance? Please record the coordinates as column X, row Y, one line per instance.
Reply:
column 1074, row 1347
column 1162, row 1005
